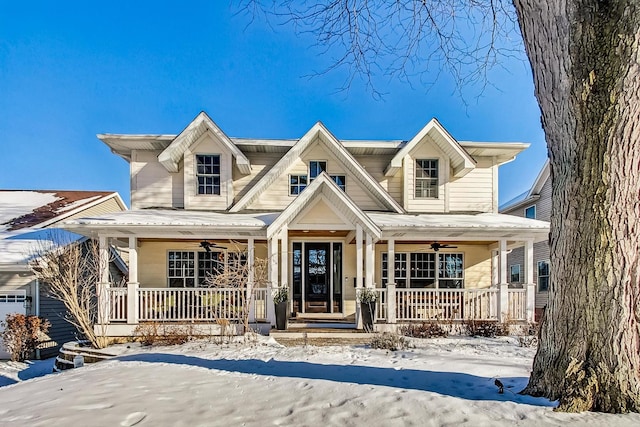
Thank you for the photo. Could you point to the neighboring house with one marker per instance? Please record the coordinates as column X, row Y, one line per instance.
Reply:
column 534, row 204
column 327, row 214
column 28, row 221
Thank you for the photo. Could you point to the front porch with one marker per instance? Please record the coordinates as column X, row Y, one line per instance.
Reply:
column 126, row 308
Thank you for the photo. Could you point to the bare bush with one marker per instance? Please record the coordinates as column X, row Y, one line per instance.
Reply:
column 21, row 335
column 424, row 330
column 389, row 341
column 486, row 328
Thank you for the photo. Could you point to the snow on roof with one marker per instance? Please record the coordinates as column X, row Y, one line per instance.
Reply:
column 31, row 208
column 19, row 247
column 161, row 217
column 457, row 221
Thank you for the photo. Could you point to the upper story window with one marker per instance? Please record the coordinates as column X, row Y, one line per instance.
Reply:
column 530, row 212
column 341, row 180
column 208, row 174
column 426, row 181
column 316, row 167
column 297, row 183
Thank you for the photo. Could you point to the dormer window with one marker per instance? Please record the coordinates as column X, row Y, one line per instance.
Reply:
column 316, row 167
column 426, row 179
column 208, row 174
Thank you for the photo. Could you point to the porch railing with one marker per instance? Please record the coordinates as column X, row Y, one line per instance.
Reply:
column 191, row 304
column 446, row 304
column 517, row 304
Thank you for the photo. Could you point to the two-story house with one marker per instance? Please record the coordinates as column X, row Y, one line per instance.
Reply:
column 415, row 220
column 534, row 203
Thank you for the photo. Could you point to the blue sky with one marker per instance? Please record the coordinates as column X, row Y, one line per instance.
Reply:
column 70, row 70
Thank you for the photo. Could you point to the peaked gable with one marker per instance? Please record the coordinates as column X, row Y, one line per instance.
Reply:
column 324, row 187
column 319, row 132
column 171, row 156
column 461, row 162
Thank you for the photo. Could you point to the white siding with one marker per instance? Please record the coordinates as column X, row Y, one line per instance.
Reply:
column 474, row 191
column 413, row 204
column 151, row 184
column 375, row 166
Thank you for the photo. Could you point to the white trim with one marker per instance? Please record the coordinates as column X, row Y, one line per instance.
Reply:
column 81, row 208
column 171, row 156
column 318, row 132
column 462, row 162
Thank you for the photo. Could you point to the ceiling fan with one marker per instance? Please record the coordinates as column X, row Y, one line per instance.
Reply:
column 206, row 245
column 437, row 246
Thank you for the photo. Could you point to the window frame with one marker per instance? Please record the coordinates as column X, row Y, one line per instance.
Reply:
column 511, row 273
column 535, row 212
column 432, row 183
column 298, row 184
column 310, row 175
column 343, row 187
column 208, row 176
column 198, row 277
column 185, row 278
column 544, row 276
column 411, row 278
column 399, row 270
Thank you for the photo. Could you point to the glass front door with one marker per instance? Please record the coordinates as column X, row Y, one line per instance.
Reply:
column 317, row 277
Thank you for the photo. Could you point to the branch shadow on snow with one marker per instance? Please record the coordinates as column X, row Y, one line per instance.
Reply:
column 454, row 384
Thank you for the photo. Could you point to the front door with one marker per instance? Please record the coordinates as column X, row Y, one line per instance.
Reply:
column 317, row 279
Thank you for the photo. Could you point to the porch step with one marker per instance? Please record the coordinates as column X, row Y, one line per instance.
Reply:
column 321, row 337
column 310, row 324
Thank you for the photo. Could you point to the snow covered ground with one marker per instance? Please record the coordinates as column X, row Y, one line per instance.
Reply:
column 440, row 382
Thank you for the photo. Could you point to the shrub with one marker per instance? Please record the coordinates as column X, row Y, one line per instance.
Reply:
column 281, row 295
column 424, row 330
column 156, row 333
column 22, row 333
column 389, row 341
column 367, row 295
column 486, row 328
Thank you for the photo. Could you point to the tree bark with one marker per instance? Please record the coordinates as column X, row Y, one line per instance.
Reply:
column 586, row 63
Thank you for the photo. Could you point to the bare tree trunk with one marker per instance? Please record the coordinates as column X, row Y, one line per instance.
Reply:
column 586, row 63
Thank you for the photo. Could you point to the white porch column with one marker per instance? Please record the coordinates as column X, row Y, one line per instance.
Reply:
column 503, row 296
column 133, row 284
column 103, row 286
column 391, row 280
column 273, row 278
column 250, row 297
column 369, row 273
column 284, row 263
column 391, row 303
column 358, row 273
column 495, row 275
column 528, row 280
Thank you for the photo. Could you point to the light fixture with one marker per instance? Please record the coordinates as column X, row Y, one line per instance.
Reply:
column 332, row 231
column 305, row 231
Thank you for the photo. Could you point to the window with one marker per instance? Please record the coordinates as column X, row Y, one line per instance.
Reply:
column 341, row 181
column 297, row 183
column 423, row 270
column 449, row 273
column 182, row 272
column 209, row 264
column 188, row 269
column 316, row 167
column 208, row 174
column 400, row 271
column 515, row 273
column 530, row 212
column 426, row 179
column 543, row 276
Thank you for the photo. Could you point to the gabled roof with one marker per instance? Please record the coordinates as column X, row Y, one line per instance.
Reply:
column 21, row 209
column 171, row 156
column 461, row 162
column 533, row 193
column 323, row 186
column 319, row 131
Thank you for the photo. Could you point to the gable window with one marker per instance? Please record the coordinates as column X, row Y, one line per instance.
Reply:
column 316, row 167
column 543, row 276
column 530, row 212
column 515, row 273
column 341, row 181
column 297, row 183
column 426, row 179
column 208, row 174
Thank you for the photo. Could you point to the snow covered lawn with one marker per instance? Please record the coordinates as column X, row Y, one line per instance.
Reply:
column 439, row 382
